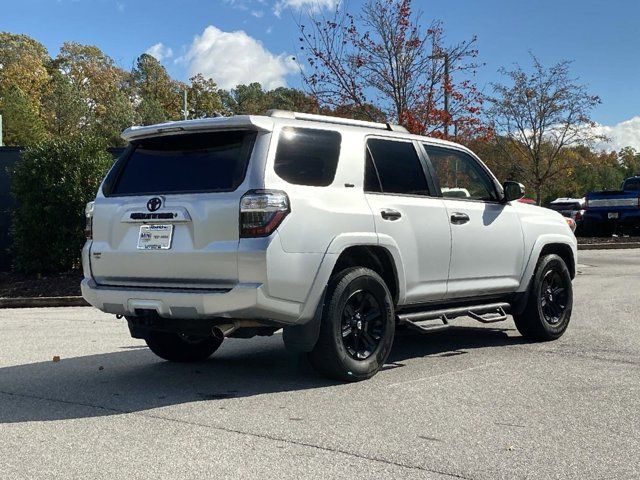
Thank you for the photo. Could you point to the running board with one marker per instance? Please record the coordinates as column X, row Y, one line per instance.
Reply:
column 489, row 313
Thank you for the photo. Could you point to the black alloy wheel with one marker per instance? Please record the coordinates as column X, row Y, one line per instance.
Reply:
column 553, row 297
column 363, row 325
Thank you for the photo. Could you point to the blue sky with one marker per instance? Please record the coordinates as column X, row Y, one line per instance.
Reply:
column 601, row 37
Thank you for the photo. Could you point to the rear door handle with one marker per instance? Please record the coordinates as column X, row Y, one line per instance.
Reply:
column 458, row 218
column 390, row 214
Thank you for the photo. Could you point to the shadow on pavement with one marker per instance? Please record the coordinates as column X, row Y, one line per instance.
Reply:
column 133, row 379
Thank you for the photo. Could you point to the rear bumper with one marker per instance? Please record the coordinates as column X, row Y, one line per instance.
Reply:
column 244, row 301
column 601, row 217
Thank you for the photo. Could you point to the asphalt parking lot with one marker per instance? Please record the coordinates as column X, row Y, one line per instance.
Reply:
column 473, row 402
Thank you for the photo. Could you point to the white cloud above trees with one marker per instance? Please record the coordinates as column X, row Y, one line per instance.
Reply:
column 620, row 135
column 159, row 51
column 233, row 58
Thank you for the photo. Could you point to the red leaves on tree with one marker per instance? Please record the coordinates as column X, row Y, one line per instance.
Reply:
column 384, row 56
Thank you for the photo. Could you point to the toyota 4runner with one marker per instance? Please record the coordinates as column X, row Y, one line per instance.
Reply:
column 334, row 230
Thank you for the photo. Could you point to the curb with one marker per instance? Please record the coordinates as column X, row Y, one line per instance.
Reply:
column 38, row 302
column 608, row 246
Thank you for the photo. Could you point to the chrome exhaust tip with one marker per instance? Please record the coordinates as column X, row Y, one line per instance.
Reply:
column 222, row 331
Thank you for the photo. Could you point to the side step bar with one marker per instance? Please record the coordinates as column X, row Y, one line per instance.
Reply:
column 488, row 313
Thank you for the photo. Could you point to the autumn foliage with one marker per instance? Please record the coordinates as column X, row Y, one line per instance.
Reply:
column 385, row 56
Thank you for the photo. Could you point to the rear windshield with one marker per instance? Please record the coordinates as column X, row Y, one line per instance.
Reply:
column 631, row 185
column 188, row 163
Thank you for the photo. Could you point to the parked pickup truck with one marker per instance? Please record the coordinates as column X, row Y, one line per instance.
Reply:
column 613, row 210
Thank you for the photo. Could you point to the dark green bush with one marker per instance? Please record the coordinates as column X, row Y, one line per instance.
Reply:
column 51, row 183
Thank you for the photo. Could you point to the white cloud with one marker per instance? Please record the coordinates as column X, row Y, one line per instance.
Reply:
column 257, row 13
column 233, row 58
column 623, row 134
column 159, row 51
column 310, row 5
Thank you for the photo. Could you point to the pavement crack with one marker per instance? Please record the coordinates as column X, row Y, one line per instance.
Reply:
column 262, row 436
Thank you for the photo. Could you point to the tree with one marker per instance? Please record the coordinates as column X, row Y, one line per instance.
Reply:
column 51, row 183
column 537, row 116
column 246, row 100
column 21, row 119
column 23, row 62
column 203, row 97
column 385, row 56
column 65, row 110
column 253, row 100
column 589, row 170
column 366, row 112
column 151, row 111
column 630, row 161
column 100, row 82
column 121, row 115
column 283, row 98
column 156, row 89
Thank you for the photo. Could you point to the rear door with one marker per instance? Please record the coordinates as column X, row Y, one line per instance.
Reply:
column 168, row 216
column 487, row 251
column 407, row 212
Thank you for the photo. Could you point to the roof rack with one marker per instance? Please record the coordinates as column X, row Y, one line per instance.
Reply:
column 337, row 120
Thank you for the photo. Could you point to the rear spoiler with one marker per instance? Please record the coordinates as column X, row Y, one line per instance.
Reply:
column 252, row 122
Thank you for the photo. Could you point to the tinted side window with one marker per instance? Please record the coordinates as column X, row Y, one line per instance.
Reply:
column 460, row 176
column 371, row 180
column 397, row 166
column 307, row 157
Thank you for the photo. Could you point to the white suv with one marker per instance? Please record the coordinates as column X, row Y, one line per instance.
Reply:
column 335, row 230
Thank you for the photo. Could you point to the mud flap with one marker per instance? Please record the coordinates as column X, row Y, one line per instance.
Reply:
column 302, row 338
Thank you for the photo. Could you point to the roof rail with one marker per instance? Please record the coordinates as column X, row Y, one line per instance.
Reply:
column 337, row 120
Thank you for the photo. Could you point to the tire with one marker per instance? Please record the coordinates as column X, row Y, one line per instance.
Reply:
column 357, row 326
column 179, row 348
column 548, row 310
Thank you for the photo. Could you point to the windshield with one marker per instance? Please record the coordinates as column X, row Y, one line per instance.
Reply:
column 188, row 163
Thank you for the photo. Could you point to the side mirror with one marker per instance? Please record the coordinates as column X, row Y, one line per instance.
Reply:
column 512, row 191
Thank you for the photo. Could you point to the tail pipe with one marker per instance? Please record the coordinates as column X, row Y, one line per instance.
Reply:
column 221, row 331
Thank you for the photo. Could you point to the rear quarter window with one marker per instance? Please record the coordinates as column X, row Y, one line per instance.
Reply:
column 307, row 156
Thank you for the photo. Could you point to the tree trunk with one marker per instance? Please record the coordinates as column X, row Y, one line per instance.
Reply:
column 538, row 191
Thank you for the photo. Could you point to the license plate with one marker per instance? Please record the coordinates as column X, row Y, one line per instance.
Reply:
column 155, row 237
column 612, row 215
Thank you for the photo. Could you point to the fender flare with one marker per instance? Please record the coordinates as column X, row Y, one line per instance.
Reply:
column 302, row 336
column 541, row 242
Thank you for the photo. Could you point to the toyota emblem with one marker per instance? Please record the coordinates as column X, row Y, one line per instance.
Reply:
column 154, row 204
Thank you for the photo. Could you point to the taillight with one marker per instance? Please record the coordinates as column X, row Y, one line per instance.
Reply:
column 579, row 214
column 88, row 214
column 261, row 211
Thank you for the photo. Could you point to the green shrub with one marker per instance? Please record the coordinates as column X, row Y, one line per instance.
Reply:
column 52, row 182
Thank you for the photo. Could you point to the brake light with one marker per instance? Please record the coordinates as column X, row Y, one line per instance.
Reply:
column 262, row 211
column 88, row 214
column 579, row 214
